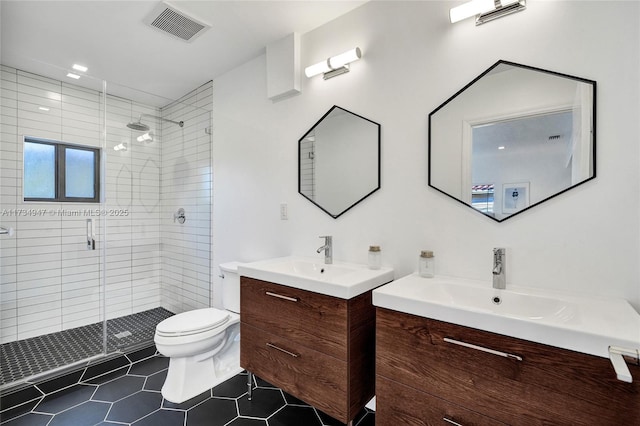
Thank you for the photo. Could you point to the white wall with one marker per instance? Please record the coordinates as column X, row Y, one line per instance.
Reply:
column 585, row 240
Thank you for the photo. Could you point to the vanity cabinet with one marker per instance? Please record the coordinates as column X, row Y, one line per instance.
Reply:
column 430, row 372
column 318, row 348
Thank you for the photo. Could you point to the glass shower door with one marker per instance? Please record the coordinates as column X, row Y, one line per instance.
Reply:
column 50, row 181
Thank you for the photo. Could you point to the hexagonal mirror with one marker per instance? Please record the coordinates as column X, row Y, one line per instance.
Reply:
column 339, row 161
column 513, row 138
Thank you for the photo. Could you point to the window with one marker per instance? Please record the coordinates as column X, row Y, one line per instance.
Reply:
column 59, row 172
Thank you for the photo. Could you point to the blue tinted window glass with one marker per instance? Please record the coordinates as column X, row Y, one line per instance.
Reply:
column 79, row 173
column 39, row 170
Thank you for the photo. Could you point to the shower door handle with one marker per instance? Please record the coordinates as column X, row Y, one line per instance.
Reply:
column 91, row 240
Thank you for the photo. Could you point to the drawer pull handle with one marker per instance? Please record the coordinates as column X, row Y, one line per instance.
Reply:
column 279, row 296
column 451, row 422
column 282, row 350
column 483, row 349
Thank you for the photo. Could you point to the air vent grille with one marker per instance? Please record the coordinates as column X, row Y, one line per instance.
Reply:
column 176, row 23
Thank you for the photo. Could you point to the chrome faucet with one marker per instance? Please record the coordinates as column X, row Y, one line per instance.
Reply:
column 499, row 268
column 328, row 249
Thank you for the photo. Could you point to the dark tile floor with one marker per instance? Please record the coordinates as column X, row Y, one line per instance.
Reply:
column 131, row 396
column 36, row 355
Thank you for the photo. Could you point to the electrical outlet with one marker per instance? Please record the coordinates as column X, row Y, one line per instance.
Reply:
column 284, row 214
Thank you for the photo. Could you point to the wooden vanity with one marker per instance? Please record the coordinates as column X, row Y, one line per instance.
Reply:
column 423, row 379
column 316, row 347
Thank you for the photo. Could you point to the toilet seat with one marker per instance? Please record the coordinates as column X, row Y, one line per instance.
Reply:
column 193, row 322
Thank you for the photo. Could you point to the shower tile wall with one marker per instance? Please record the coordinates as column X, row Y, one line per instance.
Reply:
column 186, row 182
column 48, row 280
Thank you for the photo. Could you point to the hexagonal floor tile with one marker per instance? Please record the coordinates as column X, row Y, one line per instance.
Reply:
column 64, row 399
column 149, row 366
column 155, row 381
column 190, row 403
column 368, row 420
column 31, row 419
column 162, row 418
column 235, row 387
column 88, row 413
column 264, row 403
column 118, row 388
column 295, row 415
column 292, row 400
column 213, row 412
column 240, row 421
column 135, row 407
column 330, row 421
column 263, row 383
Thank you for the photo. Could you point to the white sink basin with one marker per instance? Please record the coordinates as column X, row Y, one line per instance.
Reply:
column 340, row 279
column 483, row 298
column 583, row 324
column 308, row 269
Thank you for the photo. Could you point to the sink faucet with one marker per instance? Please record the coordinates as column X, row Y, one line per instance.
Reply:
column 499, row 268
column 328, row 249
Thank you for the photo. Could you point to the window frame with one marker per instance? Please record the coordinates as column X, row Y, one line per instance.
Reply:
column 60, row 171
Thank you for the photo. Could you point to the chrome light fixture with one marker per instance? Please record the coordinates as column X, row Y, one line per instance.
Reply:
column 486, row 10
column 334, row 65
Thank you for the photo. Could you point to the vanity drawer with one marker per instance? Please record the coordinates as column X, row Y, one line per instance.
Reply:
column 399, row 404
column 546, row 384
column 311, row 319
column 318, row 379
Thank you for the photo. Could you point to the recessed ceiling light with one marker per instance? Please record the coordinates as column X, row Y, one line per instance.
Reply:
column 43, row 108
column 72, row 75
column 501, row 147
column 80, row 68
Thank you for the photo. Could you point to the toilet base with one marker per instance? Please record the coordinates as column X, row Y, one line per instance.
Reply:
column 188, row 377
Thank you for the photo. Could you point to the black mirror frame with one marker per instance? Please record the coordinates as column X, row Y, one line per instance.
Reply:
column 335, row 216
column 528, row 67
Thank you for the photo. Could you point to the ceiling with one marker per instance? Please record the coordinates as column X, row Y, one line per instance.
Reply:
column 111, row 39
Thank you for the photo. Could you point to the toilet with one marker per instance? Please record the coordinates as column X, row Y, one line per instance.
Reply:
column 203, row 345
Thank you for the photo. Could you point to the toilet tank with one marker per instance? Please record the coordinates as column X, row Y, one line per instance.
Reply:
column 230, row 286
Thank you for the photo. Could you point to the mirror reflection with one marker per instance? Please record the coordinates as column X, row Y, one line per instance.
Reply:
column 513, row 138
column 339, row 161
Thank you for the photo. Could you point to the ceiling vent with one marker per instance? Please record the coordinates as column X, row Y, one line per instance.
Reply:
column 176, row 23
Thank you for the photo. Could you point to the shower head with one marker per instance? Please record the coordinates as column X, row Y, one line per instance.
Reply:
column 137, row 125
column 140, row 127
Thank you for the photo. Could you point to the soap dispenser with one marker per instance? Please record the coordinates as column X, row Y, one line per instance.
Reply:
column 375, row 257
column 426, row 264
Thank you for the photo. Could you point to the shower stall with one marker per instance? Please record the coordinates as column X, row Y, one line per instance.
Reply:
column 105, row 216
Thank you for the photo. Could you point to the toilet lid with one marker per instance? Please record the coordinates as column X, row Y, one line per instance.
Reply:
column 192, row 322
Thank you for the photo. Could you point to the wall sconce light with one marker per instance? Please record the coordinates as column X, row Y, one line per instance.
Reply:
column 120, row 147
column 486, row 10
column 334, row 65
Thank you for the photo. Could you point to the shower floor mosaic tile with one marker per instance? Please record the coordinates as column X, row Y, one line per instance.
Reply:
column 131, row 396
column 29, row 357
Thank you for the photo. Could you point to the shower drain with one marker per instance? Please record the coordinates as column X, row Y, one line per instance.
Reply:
column 123, row 334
